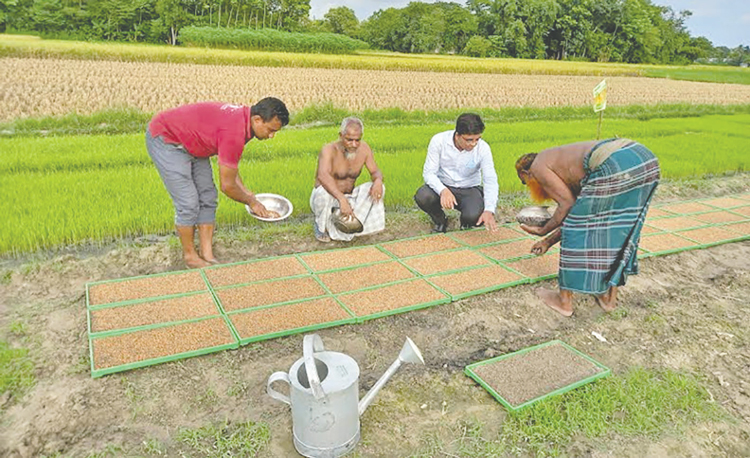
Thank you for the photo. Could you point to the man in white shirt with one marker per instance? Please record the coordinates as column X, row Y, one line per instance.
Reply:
column 459, row 173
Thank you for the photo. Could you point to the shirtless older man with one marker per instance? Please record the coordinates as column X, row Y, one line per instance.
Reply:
column 339, row 165
column 603, row 190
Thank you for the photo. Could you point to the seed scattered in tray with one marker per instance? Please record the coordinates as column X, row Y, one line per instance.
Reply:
column 474, row 279
column 391, row 297
column 142, row 288
column 718, row 217
column 663, row 242
column 687, row 208
column 447, row 261
column 740, row 228
column 258, row 322
column 646, row 229
column 709, row 235
column 725, row 202
column 676, row 223
column 363, row 277
column 742, row 210
column 145, row 313
column 657, row 213
column 160, row 342
column 339, row 259
column 424, row 245
column 271, row 292
column 538, row 266
column 483, row 236
column 255, row 271
column 744, row 196
column 526, row 376
column 509, row 250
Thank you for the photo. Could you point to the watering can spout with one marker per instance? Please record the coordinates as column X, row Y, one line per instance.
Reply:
column 409, row 354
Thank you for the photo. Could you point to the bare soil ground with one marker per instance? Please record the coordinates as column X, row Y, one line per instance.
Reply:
column 686, row 312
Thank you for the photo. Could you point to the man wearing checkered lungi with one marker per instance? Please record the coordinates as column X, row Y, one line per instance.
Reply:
column 340, row 163
column 603, row 190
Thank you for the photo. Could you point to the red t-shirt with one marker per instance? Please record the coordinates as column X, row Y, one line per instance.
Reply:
column 206, row 129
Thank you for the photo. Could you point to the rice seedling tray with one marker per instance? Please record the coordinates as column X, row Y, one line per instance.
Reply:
column 473, row 281
column 356, row 278
column 481, row 236
column 536, row 268
column 330, row 260
column 254, row 271
column 392, row 299
column 522, row 378
column 269, row 292
column 416, row 246
column 446, row 261
column 134, row 289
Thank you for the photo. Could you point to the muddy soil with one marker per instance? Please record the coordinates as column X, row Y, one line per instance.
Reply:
column 686, row 312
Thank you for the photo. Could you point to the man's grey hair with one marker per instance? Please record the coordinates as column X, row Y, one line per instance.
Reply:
column 348, row 122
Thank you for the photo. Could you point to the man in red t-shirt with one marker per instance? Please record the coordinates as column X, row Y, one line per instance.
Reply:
column 180, row 142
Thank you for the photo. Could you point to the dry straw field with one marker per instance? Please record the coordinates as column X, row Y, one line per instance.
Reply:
column 31, row 87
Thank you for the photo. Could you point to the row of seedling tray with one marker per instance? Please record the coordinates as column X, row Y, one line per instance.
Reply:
column 141, row 321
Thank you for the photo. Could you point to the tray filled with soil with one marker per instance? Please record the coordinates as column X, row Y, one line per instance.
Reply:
column 141, row 348
column 725, row 202
column 744, row 211
column 153, row 312
column 339, row 259
column 476, row 281
column 397, row 298
column 280, row 320
column 357, row 278
column 129, row 289
column 646, row 229
column 248, row 272
column 421, row 245
column 686, row 208
column 657, row 213
column 509, row 250
column 538, row 267
column 710, row 235
column 740, row 228
column 446, row 261
column 522, row 378
column 482, row 236
column 676, row 223
column 269, row 292
column 664, row 243
column 718, row 217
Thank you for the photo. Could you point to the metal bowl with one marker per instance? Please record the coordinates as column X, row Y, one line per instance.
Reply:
column 347, row 225
column 534, row 216
column 275, row 203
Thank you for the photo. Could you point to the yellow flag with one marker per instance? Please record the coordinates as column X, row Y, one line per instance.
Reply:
column 600, row 96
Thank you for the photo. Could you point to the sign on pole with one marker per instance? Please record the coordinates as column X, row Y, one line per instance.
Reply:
column 600, row 103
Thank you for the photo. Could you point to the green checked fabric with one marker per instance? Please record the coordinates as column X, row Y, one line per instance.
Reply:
column 600, row 234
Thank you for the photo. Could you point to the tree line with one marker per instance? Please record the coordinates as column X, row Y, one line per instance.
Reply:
column 633, row 31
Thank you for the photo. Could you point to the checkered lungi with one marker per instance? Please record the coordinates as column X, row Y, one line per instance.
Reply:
column 369, row 212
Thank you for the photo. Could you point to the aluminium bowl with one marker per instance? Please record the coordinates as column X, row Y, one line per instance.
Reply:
column 347, row 225
column 273, row 202
column 534, row 216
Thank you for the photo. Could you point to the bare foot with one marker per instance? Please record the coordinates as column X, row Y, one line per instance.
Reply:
column 196, row 262
column 604, row 303
column 213, row 261
column 555, row 301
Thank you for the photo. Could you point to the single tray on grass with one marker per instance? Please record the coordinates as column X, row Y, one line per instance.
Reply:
column 482, row 236
column 520, row 379
column 263, row 323
column 256, row 270
column 447, row 261
column 396, row 298
column 146, row 347
column 475, row 281
column 151, row 286
column 344, row 280
column 269, row 292
column 420, row 245
column 321, row 261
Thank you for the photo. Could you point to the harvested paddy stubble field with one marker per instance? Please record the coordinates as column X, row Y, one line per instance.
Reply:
column 41, row 87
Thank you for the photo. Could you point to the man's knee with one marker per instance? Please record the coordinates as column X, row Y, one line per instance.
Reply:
column 426, row 197
column 186, row 213
column 469, row 217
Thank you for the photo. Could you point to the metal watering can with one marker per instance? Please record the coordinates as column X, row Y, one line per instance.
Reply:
column 324, row 396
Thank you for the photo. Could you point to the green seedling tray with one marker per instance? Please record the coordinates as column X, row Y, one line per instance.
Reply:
column 96, row 373
column 384, row 246
column 455, row 297
column 511, row 226
column 205, row 270
column 301, row 257
column 89, row 285
column 470, row 371
column 362, row 318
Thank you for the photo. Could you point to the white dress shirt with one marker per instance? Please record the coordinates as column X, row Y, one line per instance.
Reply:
column 447, row 166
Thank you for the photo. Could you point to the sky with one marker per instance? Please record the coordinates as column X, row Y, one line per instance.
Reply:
column 724, row 22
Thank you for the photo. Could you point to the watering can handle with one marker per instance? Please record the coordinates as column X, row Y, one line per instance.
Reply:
column 310, row 345
column 276, row 377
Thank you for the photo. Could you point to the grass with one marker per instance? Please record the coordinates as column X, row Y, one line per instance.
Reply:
column 13, row 46
column 16, row 371
column 224, row 440
column 641, row 403
column 82, row 189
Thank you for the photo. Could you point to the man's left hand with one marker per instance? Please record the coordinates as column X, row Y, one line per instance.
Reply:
column 488, row 219
column 376, row 191
column 533, row 230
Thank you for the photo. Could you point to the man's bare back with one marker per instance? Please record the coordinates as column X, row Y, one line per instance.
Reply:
column 566, row 162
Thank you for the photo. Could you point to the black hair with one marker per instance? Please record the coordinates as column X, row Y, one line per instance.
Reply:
column 270, row 108
column 469, row 124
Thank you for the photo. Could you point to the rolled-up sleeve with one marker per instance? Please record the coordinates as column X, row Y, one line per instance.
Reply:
column 489, row 179
column 432, row 165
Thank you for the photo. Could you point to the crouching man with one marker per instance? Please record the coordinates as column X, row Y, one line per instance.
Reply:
column 339, row 165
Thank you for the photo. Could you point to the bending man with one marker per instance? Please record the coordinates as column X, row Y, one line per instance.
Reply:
column 180, row 142
column 339, row 165
column 602, row 190
column 458, row 162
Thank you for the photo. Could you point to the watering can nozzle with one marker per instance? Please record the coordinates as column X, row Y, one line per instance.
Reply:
column 409, row 354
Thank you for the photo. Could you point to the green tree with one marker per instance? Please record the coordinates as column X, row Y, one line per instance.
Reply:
column 173, row 16
column 341, row 20
column 477, row 46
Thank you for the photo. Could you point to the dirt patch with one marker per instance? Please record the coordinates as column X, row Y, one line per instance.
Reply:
column 145, row 313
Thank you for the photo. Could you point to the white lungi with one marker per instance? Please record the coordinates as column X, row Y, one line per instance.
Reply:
column 369, row 212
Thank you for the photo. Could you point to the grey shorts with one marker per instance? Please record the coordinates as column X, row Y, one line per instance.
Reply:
column 188, row 179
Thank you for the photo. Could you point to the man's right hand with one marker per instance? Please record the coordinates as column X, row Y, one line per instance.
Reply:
column 447, row 199
column 540, row 247
column 345, row 208
column 260, row 210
